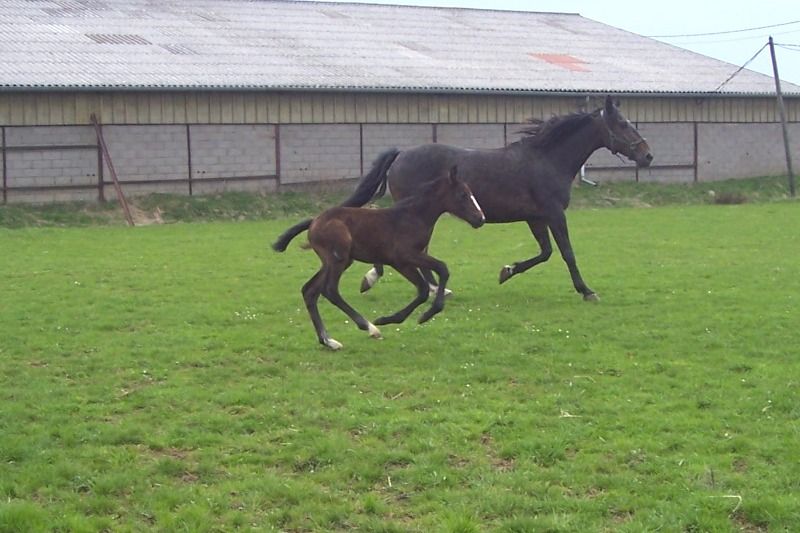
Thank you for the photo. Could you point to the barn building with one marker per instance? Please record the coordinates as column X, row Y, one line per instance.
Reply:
column 201, row 96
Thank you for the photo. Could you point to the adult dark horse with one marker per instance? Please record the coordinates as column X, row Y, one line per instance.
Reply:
column 529, row 180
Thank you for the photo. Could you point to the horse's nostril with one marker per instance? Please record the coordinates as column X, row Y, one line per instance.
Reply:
column 649, row 157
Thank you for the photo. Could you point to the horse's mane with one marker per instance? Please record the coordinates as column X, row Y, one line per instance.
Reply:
column 545, row 133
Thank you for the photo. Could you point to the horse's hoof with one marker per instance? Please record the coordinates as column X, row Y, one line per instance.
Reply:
column 433, row 289
column 374, row 332
column 333, row 344
column 365, row 286
column 591, row 297
column 369, row 279
column 505, row 273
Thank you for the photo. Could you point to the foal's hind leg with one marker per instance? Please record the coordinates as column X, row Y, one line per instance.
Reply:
column 412, row 274
column 331, row 292
column 311, row 291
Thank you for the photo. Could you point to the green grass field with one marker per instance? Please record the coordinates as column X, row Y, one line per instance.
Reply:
column 168, row 378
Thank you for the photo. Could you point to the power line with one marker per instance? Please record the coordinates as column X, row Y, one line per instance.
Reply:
column 723, row 32
column 724, row 83
column 732, row 40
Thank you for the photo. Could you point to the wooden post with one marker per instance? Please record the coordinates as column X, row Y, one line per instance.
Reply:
column 782, row 111
column 121, row 197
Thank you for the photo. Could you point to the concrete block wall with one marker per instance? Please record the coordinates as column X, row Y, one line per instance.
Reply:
column 30, row 164
column 148, row 153
column 744, row 150
column 378, row 138
column 322, row 152
column 471, row 135
column 63, row 161
column 231, row 151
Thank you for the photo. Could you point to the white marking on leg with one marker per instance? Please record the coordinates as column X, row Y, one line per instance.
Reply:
column 433, row 289
column 374, row 332
column 333, row 344
column 371, row 277
column 478, row 207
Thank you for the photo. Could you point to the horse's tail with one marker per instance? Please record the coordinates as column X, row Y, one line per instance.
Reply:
column 373, row 184
column 287, row 236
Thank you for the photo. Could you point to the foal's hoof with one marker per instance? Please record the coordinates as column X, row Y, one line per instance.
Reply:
column 365, row 285
column 591, row 297
column 374, row 332
column 505, row 273
column 333, row 344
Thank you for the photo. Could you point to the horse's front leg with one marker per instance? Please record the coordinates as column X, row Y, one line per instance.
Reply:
column 539, row 229
column 558, row 226
column 371, row 277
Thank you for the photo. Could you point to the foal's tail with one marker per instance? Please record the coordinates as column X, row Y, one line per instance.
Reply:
column 287, row 236
column 373, row 184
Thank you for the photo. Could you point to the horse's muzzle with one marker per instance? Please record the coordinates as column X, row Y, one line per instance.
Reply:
column 645, row 160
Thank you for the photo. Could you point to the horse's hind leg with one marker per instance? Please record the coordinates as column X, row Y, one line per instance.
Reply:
column 331, row 292
column 412, row 274
column 539, row 229
column 371, row 277
column 311, row 291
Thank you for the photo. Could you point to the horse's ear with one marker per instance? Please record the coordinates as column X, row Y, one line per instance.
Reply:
column 609, row 105
column 454, row 173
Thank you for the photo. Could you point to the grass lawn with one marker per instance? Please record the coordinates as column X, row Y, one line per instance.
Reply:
column 168, row 378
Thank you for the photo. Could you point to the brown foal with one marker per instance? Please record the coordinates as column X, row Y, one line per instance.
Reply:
column 397, row 236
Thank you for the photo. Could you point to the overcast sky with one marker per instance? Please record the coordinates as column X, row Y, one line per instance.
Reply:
column 680, row 17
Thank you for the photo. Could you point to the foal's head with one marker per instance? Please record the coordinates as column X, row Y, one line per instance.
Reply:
column 622, row 137
column 457, row 198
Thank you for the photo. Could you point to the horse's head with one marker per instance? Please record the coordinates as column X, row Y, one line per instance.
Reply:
column 459, row 200
column 623, row 137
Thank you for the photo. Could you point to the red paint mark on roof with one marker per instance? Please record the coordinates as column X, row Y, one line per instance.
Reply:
column 565, row 61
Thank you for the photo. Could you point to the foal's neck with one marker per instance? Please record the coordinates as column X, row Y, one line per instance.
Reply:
column 425, row 208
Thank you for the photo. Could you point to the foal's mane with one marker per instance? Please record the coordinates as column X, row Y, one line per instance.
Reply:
column 544, row 133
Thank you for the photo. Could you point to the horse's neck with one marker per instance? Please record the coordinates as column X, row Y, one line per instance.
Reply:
column 570, row 154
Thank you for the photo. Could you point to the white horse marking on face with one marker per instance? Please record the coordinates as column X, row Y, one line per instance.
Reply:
column 478, row 207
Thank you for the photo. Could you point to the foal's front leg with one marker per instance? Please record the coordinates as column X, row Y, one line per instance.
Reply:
column 431, row 263
column 412, row 274
column 371, row 277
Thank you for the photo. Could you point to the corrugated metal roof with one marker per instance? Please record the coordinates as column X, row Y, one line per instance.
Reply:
column 273, row 44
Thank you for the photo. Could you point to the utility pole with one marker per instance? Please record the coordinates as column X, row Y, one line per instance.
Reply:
column 782, row 111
